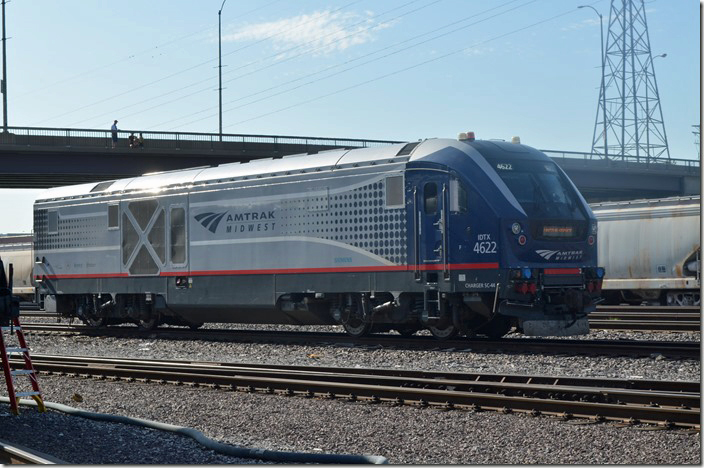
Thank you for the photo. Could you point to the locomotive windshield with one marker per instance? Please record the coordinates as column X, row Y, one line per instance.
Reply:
column 540, row 188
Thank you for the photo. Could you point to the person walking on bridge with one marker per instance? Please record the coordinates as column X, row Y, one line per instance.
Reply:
column 113, row 130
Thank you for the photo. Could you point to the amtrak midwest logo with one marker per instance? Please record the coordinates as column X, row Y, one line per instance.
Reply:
column 251, row 221
column 560, row 254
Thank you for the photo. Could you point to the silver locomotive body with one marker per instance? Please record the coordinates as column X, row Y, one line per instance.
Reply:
column 410, row 236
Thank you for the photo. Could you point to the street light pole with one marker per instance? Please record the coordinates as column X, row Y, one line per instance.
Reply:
column 4, row 72
column 603, row 64
column 219, row 62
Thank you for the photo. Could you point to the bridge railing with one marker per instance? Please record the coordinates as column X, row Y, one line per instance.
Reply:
column 174, row 141
column 660, row 163
column 93, row 138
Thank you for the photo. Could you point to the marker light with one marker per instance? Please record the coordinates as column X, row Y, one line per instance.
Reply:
column 590, row 240
column 599, row 272
column 515, row 228
column 526, row 273
column 522, row 239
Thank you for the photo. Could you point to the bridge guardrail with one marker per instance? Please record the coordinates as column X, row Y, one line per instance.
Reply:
column 95, row 138
column 661, row 163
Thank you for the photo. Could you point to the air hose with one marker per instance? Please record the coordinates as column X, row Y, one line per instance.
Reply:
column 226, row 449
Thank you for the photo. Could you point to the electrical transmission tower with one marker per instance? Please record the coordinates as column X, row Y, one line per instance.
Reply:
column 629, row 117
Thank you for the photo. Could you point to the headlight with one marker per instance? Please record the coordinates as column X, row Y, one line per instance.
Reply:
column 515, row 228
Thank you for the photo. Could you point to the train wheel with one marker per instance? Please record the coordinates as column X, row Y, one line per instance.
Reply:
column 94, row 321
column 356, row 328
column 443, row 331
column 87, row 314
column 148, row 324
column 496, row 328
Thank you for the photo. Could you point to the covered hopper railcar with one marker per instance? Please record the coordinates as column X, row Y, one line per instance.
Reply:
column 16, row 249
column 651, row 250
column 454, row 236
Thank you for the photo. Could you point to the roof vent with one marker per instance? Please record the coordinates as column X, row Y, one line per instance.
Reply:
column 407, row 148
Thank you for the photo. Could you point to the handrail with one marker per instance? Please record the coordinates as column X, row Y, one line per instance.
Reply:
column 92, row 138
column 559, row 154
column 86, row 137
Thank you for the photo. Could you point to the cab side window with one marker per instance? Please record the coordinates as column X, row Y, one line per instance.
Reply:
column 458, row 197
column 430, row 198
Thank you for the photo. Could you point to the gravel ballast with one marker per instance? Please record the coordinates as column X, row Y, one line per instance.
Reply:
column 405, row 434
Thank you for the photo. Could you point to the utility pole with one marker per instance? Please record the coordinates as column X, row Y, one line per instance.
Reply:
column 219, row 63
column 4, row 72
column 602, row 95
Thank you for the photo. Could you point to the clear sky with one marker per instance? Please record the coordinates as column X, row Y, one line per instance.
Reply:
column 392, row 69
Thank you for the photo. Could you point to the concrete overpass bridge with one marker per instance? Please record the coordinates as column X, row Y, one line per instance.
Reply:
column 32, row 157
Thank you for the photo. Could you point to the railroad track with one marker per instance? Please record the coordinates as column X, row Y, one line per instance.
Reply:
column 641, row 318
column 666, row 403
column 13, row 454
column 631, row 348
column 646, row 318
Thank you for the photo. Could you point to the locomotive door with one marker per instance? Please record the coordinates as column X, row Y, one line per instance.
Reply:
column 154, row 235
column 143, row 246
column 431, row 232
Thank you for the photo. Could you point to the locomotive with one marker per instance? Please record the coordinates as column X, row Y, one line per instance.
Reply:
column 458, row 236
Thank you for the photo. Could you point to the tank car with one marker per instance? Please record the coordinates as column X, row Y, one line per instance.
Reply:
column 16, row 249
column 651, row 250
column 456, row 236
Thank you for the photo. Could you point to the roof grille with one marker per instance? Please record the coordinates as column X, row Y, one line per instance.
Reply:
column 102, row 186
column 407, row 148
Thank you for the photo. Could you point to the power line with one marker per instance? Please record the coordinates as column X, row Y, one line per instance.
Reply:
column 367, row 55
column 181, row 71
column 115, row 111
column 137, row 54
column 381, row 77
column 295, row 56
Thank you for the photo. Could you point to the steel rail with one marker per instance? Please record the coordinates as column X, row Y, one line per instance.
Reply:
column 13, row 454
column 647, row 308
column 589, row 347
column 647, row 315
column 569, row 397
column 672, row 321
column 645, row 325
column 646, row 318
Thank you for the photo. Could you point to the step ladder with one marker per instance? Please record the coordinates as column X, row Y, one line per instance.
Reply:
column 20, row 348
column 432, row 304
column 13, row 343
